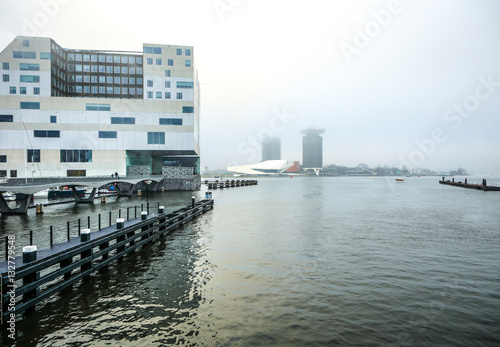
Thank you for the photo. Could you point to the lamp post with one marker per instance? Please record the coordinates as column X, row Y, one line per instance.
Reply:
column 148, row 182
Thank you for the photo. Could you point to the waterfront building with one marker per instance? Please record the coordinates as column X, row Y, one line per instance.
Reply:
column 78, row 112
column 271, row 148
column 268, row 167
column 312, row 149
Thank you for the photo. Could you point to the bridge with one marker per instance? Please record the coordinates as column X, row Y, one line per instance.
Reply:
column 25, row 189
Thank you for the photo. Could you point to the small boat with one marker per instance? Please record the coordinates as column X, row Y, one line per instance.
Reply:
column 9, row 196
column 105, row 192
column 43, row 194
column 400, row 180
column 63, row 192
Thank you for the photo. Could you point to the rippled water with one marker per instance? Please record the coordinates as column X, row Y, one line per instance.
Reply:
column 300, row 261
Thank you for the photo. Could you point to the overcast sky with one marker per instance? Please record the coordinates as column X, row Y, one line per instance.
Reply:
column 413, row 83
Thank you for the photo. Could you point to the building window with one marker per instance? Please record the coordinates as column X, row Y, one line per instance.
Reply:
column 138, row 71
column 24, row 55
column 36, row 90
column 149, row 83
column 167, row 95
column 101, row 69
column 187, row 63
column 6, row 78
column 124, row 59
column 86, row 89
column 109, row 59
column 139, row 80
column 178, row 51
column 122, row 120
column 107, row 134
column 132, row 70
column 3, row 158
column 131, row 60
column 187, row 51
column 22, row 90
column 170, row 62
column 117, row 80
column 46, row 56
column 6, row 118
column 13, row 90
column 131, row 80
column 167, row 84
column 124, row 80
column 167, row 73
column 158, row 95
column 109, row 79
column 102, row 90
column 156, row 138
column 79, row 78
column 86, row 68
column 98, row 107
column 79, row 89
column 93, row 79
column 117, row 90
column 53, row 119
column 152, row 50
column 25, row 105
column 46, row 133
column 5, row 65
column 86, row 79
column 13, row 173
column 149, row 61
column 158, row 61
column 26, row 43
column 179, row 96
column 78, row 57
column 76, row 173
column 29, row 67
column 116, row 59
column 116, row 69
column 94, row 89
column 139, row 91
column 187, row 109
column 131, row 91
column 109, row 69
column 124, row 70
column 109, row 90
column 183, row 84
column 86, row 57
column 33, row 155
column 124, row 90
column 79, row 68
column 76, row 156
column 170, row 121
column 93, row 58
column 150, row 95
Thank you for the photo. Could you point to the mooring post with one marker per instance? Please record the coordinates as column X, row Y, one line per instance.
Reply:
column 67, row 229
column 135, row 211
column 144, row 216
column 193, row 201
column 79, row 226
column 99, row 221
column 109, row 218
column 29, row 255
column 119, row 213
column 161, row 209
column 128, row 217
column 31, row 237
column 84, row 237
column 51, row 236
column 120, row 223
column 147, row 208
column 88, row 222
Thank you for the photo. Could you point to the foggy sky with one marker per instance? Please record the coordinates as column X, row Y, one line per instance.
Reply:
column 392, row 82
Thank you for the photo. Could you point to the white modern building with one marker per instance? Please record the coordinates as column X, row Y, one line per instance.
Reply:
column 75, row 112
column 268, row 167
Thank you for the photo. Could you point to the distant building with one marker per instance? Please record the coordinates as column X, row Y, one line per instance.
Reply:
column 269, row 167
column 294, row 168
column 271, row 148
column 312, row 149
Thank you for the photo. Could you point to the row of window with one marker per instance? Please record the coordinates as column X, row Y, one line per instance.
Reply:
column 132, row 70
column 105, row 58
column 104, row 79
column 23, row 78
column 22, row 90
column 157, row 50
column 170, row 62
column 167, row 95
column 180, row 84
column 104, row 90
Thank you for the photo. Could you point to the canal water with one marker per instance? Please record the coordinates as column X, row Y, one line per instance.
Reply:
column 293, row 262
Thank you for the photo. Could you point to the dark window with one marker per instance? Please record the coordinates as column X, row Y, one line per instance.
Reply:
column 184, row 84
column 24, row 55
column 13, row 173
column 156, row 138
column 76, row 173
column 33, row 155
column 5, row 65
column 26, row 43
column 30, row 67
column 53, row 119
column 179, row 51
column 152, row 50
column 76, row 156
column 98, row 107
column 30, row 105
column 46, row 133
column 3, row 158
column 170, row 121
column 3, row 173
column 107, row 134
column 5, row 78
column 6, row 118
column 30, row 78
column 122, row 120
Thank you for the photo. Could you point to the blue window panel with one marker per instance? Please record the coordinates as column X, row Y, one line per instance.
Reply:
column 156, row 138
column 6, row 118
column 76, row 155
column 122, row 120
column 170, row 121
column 107, row 134
column 187, row 63
column 3, row 158
column 152, row 50
column 33, row 155
column 98, row 107
column 187, row 51
column 187, row 109
column 25, row 105
column 178, row 51
column 53, row 119
column 30, row 67
column 183, row 84
column 46, row 133
column 30, row 78
column 46, row 56
column 24, row 55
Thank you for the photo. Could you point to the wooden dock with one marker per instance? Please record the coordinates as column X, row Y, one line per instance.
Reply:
column 23, row 286
column 230, row 183
column 483, row 186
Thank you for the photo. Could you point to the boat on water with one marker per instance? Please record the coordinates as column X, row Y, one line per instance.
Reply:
column 9, row 196
column 105, row 191
column 400, row 180
column 63, row 192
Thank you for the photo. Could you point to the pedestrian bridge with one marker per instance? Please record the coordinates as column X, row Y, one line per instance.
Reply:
column 26, row 188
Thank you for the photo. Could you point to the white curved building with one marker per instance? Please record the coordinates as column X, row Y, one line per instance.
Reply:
column 268, row 167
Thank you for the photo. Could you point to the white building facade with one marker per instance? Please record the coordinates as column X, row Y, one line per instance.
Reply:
column 69, row 112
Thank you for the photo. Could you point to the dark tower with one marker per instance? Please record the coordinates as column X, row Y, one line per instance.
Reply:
column 271, row 148
column 312, row 148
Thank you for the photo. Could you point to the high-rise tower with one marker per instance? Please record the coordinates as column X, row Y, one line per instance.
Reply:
column 312, row 149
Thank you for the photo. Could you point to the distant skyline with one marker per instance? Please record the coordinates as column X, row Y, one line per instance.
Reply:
column 413, row 83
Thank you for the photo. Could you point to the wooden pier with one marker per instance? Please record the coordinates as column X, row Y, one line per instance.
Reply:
column 230, row 183
column 464, row 184
column 36, row 275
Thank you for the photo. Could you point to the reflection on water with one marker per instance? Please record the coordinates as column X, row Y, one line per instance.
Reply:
column 302, row 261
